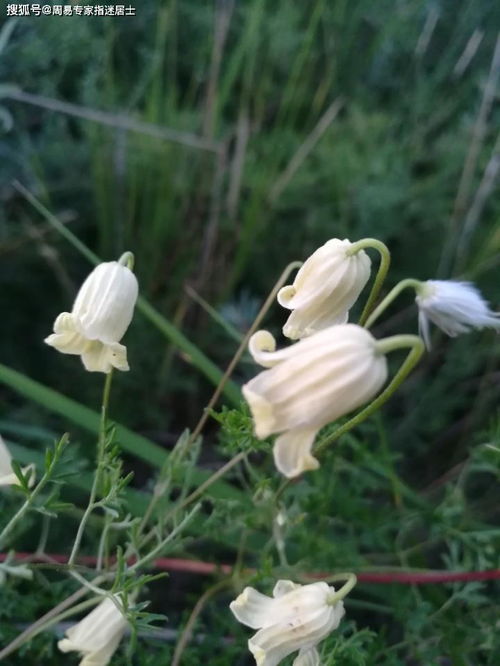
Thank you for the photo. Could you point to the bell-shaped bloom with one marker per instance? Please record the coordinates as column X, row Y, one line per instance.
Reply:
column 455, row 307
column 101, row 314
column 7, row 476
column 325, row 288
column 309, row 384
column 97, row 636
column 295, row 618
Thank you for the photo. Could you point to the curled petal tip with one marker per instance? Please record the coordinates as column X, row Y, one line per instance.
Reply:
column 285, row 295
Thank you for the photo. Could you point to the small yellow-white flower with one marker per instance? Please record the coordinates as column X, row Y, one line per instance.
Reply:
column 97, row 636
column 310, row 384
column 325, row 288
column 297, row 617
column 7, row 476
column 101, row 314
column 455, row 307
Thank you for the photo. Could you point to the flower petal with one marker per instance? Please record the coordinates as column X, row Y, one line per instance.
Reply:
column 283, row 587
column 102, row 358
column 66, row 338
column 253, row 608
column 307, row 657
column 292, row 452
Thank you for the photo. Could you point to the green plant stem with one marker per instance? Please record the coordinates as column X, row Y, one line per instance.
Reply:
column 24, row 508
column 345, row 589
column 409, row 283
column 101, row 448
column 196, row 493
column 385, row 262
column 34, row 494
column 243, row 345
column 47, row 620
column 188, row 628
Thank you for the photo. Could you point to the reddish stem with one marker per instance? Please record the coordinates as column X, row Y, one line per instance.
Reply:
column 207, row 568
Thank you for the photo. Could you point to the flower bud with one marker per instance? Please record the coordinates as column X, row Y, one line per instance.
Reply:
column 101, row 314
column 297, row 617
column 309, row 384
column 97, row 636
column 325, row 288
column 455, row 307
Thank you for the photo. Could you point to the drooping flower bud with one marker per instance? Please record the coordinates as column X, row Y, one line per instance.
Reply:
column 325, row 288
column 297, row 617
column 309, row 384
column 7, row 475
column 101, row 314
column 455, row 307
column 97, row 636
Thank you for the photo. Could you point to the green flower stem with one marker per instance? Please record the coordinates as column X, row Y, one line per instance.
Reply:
column 409, row 283
column 49, row 619
column 344, row 590
column 188, row 628
column 416, row 346
column 127, row 259
column 243, row 345
column 101, row 447
column 34, row 494
column 385, row 262
column 24, row 508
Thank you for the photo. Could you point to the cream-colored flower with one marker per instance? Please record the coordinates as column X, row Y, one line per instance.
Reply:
column 310, row 384
column 97, row 636
column 101, row 314
column 7, row 476
column 455, row 307
column 325, row 288
column 297, row 617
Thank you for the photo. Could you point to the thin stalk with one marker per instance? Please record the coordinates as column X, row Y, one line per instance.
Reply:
column 385, row 262
column 395, row 291
column 24, row 508
column 345, row 589
column 45, row 621
column 101, row 448
column 243, row 345
column 34, row 494
column 188, row 629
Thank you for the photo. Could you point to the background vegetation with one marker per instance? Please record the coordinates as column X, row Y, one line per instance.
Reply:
column 218, row 141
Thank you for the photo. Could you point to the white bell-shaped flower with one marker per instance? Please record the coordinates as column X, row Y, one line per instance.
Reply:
column 325, row 288
column 295, row 618
column 309, row 384
column 7, row 476
column 455, row 307
column 97, row 636
column 101, row 314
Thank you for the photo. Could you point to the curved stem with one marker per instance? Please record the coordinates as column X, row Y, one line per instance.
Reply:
column 385, row 262
column 243, row 345
column 396, row 342
column 395, row 291
column 188, row 629
column 101, row 448
column 127, row 259
column 345, row 589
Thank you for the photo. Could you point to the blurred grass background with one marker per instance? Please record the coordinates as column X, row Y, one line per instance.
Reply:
column 220, row 140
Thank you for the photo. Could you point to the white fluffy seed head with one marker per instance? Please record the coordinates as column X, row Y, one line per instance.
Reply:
column 454, row 307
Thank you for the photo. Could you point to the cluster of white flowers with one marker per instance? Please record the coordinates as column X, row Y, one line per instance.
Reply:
column 333, row 368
